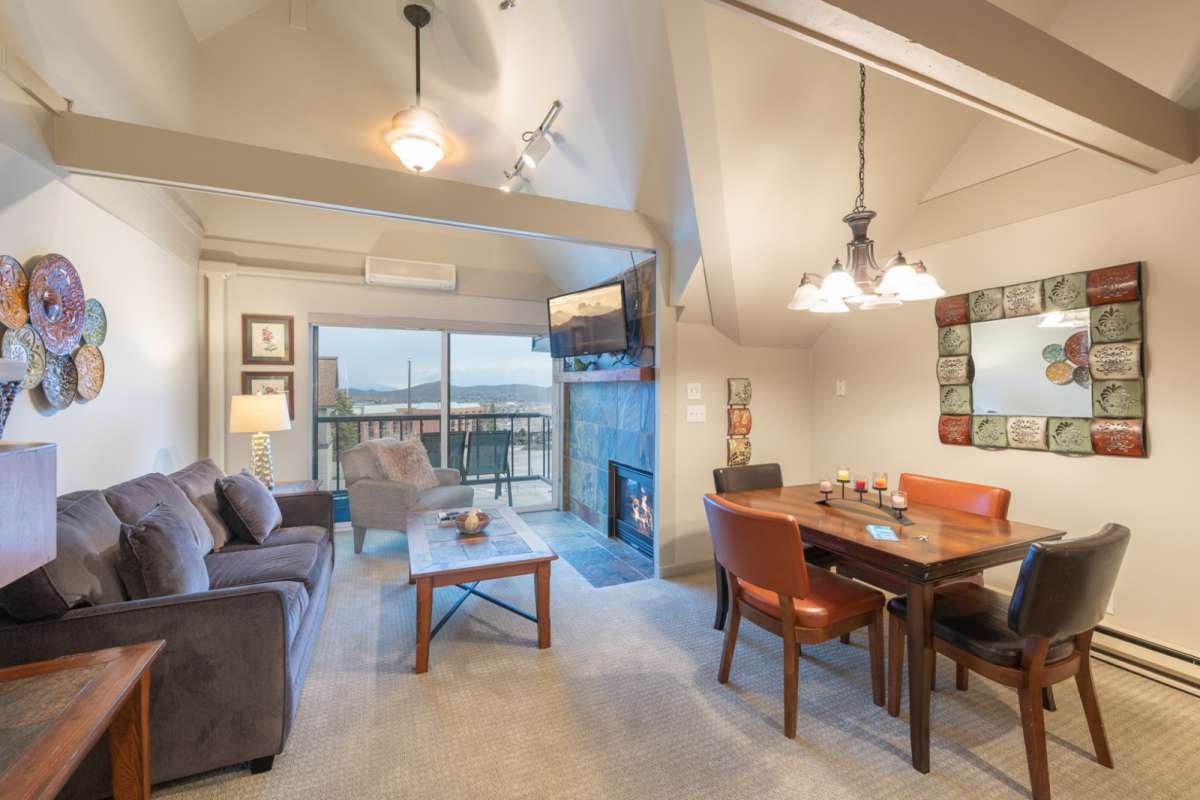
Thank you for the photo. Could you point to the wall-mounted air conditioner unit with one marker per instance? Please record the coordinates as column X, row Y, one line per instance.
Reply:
column 410, row 274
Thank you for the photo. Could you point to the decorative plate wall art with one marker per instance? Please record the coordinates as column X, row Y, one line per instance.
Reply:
column 56, row 304
column 24, row 344
column 1109, row 357
column 14, row 293
column 95, row 322
column 737, row 447
column 89, row 370
column 60, row 382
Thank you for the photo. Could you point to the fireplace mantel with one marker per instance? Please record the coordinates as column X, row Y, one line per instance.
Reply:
column 608, row 375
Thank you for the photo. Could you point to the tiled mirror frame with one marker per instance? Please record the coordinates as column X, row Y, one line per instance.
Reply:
column 1113, row 296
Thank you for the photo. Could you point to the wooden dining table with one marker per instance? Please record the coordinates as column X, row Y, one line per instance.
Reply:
column 940, row 545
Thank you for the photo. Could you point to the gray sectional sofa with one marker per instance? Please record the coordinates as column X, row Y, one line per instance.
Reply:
column 226, row 688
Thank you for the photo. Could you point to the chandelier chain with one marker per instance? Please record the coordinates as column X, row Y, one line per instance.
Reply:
column 859, row 204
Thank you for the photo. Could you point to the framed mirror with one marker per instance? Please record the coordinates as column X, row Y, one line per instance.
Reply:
column 1056, row 365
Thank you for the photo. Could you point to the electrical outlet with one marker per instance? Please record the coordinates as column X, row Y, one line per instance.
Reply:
column 839, row 387
column 696, row 413
column 693, row 391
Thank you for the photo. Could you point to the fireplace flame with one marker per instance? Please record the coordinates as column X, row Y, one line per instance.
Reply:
column 641, row 511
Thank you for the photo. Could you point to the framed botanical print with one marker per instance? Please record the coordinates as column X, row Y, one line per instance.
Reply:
column 270, row 383
column 267, row 339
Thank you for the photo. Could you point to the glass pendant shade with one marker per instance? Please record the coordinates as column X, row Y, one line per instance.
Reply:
column 923, row 286
column 880, row 301
column 898, row 276
column 838, row 283
column 806, row 296
column 417, row 138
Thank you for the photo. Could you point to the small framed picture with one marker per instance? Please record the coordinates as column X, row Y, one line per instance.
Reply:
column 267, row 339
column 739, row 451
column 739, row 421
column 739, row 391
column 270, row 383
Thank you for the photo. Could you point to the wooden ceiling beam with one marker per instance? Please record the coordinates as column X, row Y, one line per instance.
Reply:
column 978, row 54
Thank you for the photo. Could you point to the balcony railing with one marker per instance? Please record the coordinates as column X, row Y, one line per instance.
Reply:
column 530, row 447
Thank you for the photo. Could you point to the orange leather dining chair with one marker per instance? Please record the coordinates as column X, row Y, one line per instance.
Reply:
column 772, row 586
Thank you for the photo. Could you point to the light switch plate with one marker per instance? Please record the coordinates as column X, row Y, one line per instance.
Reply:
column 697, row 413
column 839, row 387
column 693, row 390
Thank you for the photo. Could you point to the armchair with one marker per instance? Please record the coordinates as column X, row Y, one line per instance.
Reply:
column 384, row 504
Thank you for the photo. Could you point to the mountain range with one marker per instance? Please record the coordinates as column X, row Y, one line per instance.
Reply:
column 431, row 393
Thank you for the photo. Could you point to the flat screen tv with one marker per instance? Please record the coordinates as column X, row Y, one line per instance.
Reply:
column 588, row 322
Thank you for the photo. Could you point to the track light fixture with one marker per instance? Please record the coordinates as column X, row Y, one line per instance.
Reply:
column 538, row 143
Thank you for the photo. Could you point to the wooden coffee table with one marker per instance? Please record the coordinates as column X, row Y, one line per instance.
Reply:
column 442, row 557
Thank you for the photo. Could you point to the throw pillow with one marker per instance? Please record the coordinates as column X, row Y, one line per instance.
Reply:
column 134, row 499
column 405, row 461
column 84, row 570
column 249, row 508
column 198, row 482
column 159, row 557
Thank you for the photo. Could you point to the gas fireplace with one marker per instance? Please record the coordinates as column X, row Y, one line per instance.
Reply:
column 631, row 506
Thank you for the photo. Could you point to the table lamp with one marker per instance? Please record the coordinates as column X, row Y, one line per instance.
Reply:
column 259, row 414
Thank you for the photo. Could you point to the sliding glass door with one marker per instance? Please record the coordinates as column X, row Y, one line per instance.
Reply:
column 480, row 403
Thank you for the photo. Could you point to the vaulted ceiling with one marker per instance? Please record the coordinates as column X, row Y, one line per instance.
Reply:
column 737, row 140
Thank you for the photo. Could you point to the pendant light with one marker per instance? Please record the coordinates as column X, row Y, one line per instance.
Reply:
column 861, row 281
column 417, row 137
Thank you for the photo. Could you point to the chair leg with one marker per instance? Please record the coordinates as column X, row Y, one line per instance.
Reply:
column 791, row 668
column 933, row 673
column 1091, row 710
column 895, row 661
column 722, row 595
column 962, row 677
column 875, row 652
column 508, row 475
column 1033, row 723
column 731, row 632
column 360, row 535
column 1048, row 699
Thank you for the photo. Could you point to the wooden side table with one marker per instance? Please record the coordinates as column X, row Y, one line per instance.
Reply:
column 53, row 712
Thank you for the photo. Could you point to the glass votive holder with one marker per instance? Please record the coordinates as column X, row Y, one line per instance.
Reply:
column 843, row 474
column 899, row 500
column 879, row 481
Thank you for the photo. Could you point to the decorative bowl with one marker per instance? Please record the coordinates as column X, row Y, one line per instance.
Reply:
column 467, row 525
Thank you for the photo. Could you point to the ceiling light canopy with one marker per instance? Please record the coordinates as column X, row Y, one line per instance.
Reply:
column 538, row 143
column 861, row 282
column 418, row 137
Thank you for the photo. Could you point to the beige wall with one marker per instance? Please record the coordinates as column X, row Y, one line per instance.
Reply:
column 146, row 417
column 888, row 419
column 689, row 451
column 306, row 300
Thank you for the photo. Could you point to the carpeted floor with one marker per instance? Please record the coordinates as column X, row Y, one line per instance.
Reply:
column 626, row 704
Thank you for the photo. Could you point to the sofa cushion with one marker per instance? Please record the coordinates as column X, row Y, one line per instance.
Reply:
column 290, row 562
column 248, row 507
column 405, row 461
column 158, row 556
column 314, row 534
column 84, row 572
column 198, row 481
column 134, row 499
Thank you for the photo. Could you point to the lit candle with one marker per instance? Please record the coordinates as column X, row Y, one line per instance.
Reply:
column 900, row 500
column 860, row 485
column 880, row 482
column 826, row 487
column 843, row 475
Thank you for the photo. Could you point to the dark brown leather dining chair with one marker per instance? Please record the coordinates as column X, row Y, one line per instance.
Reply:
column 770, row 584
column 743, row 479
column 1039, row 636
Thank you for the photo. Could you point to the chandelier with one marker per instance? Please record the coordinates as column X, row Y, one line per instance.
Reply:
column 418, row 137
column 860, row 281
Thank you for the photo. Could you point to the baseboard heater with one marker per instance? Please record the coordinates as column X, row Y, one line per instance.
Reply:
column 1154, row 671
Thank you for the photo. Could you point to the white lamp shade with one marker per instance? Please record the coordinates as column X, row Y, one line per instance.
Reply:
column 839, row 284
column 923, row 287
column 805, row 297
column 897, row 279
column 259, row 413
column 537, row 149
column 11, row 370
column 830, row 305
column 418, row 138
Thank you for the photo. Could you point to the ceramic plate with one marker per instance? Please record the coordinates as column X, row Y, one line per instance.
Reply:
column 56, row 307
column 1053, row 352
column 1060, row 372
column 14, row 293
column 60, row 382
column 95, row 322
column 1083, row 376
column 24, row 344
column 1077, row 348
column 89, row 369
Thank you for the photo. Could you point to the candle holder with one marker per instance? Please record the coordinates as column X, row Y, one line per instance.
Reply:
column 825, row 487
column 879, row 482
column 899, row 503
column 860, row 488
column 843, row 477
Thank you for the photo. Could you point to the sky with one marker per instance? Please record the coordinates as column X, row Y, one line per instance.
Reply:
column 377, row 358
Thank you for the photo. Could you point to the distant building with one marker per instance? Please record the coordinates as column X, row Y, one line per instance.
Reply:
column 327, row 381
